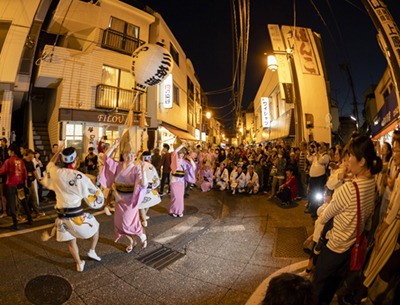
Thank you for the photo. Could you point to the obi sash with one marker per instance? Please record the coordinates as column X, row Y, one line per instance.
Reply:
column 179, row 173
column 69, row 212
column 124, row 188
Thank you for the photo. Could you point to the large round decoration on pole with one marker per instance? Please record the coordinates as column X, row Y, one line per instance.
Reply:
column 151, row 64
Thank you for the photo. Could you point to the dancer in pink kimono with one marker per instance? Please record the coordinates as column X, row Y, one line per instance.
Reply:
column 129, row 184
column 181, row 170
column 206, row 178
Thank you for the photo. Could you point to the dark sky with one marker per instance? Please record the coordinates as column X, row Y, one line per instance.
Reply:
column 203, row 29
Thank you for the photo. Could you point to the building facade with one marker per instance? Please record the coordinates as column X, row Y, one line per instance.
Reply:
column 293, row 102
column 20, row 23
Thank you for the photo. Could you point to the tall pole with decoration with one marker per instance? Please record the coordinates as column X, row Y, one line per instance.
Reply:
column 388, row 38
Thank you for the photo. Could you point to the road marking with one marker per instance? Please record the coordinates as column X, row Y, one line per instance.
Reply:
column 177, row 230
column 9, row 234
column 227, row 229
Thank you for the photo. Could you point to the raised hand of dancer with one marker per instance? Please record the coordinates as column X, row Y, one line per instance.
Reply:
column 115, row 145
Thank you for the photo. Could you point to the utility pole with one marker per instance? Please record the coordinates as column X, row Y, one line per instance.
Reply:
column 355, row 106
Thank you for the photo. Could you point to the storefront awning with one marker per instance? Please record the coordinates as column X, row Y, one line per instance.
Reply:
column 282, row 127
column 385, row 131
column 386, row 118
column 179, row 133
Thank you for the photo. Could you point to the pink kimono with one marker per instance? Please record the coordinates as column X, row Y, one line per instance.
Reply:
column 206, row 180
column 126, row 217
column 177, row 184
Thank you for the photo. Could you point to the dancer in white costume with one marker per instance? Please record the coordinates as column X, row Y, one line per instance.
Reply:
column 252, row 183
column 238, row 179
column 71, row 186
column 152, row 197
column 222, row 177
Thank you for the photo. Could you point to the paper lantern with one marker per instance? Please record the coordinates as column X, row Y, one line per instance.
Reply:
column 151, row 64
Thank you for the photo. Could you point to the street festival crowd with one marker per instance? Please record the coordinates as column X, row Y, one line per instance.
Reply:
column 351, row 192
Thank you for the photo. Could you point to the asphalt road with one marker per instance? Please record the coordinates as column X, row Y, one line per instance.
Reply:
column 227, row 242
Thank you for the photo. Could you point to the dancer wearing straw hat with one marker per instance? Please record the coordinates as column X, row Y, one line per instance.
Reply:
column 129, row 184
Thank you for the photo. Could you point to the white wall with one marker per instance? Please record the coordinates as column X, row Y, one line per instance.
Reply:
column 21, row 14
column 177, row 115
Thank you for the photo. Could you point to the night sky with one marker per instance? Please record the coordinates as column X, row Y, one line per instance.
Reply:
column 203, row 29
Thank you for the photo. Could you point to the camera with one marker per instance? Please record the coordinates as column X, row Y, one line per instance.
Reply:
column 105, row 137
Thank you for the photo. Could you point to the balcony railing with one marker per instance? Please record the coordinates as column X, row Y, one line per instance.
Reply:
column 119, row 42
column 113, row 97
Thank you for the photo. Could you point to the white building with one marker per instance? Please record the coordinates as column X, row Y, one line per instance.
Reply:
column 86, row 84
column 20, row 23
column 293, row 102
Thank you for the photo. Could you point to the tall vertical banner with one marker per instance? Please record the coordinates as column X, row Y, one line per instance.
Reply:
column 278, row 45
column 265, row 112
column 305, row 49
column 390, row 33
column 168, row 91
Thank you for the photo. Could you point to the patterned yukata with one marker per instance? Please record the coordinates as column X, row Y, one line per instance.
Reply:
column 71, row 186
column 152, row 197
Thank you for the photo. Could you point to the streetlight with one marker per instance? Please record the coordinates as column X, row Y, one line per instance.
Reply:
column 208, row 115
column 272, row 63
column 355, row 120
column 241, row 130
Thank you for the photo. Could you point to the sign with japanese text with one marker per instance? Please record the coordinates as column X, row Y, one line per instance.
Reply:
column 303, row 48
column 168, row 91
column 197, row 134
column 276, row 37
column 278, row 45
column 265, row 117
column 391, row 30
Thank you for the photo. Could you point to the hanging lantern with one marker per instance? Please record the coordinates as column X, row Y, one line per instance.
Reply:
column 151, row 64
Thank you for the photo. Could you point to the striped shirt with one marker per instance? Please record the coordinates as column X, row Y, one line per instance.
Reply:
column 302, row 165
column 343, row 208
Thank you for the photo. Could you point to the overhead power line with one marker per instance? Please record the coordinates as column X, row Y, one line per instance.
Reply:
column 357, row 7
column 219, row 91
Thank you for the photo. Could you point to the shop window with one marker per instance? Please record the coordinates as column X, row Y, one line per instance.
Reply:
column 74, row 137
column 174, row 54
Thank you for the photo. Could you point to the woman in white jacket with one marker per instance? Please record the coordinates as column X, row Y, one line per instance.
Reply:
column 222, row 177
column 252, row 183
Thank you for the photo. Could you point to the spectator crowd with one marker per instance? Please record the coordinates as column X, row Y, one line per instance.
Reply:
column 349, row 191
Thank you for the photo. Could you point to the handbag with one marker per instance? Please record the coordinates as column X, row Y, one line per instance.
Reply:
column 359, row 250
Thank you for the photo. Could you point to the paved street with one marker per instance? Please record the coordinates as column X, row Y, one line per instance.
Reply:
column 223, row 265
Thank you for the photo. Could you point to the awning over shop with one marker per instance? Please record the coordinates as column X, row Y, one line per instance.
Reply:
column 179, row 133
column 385, row 120
column 282, row 127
